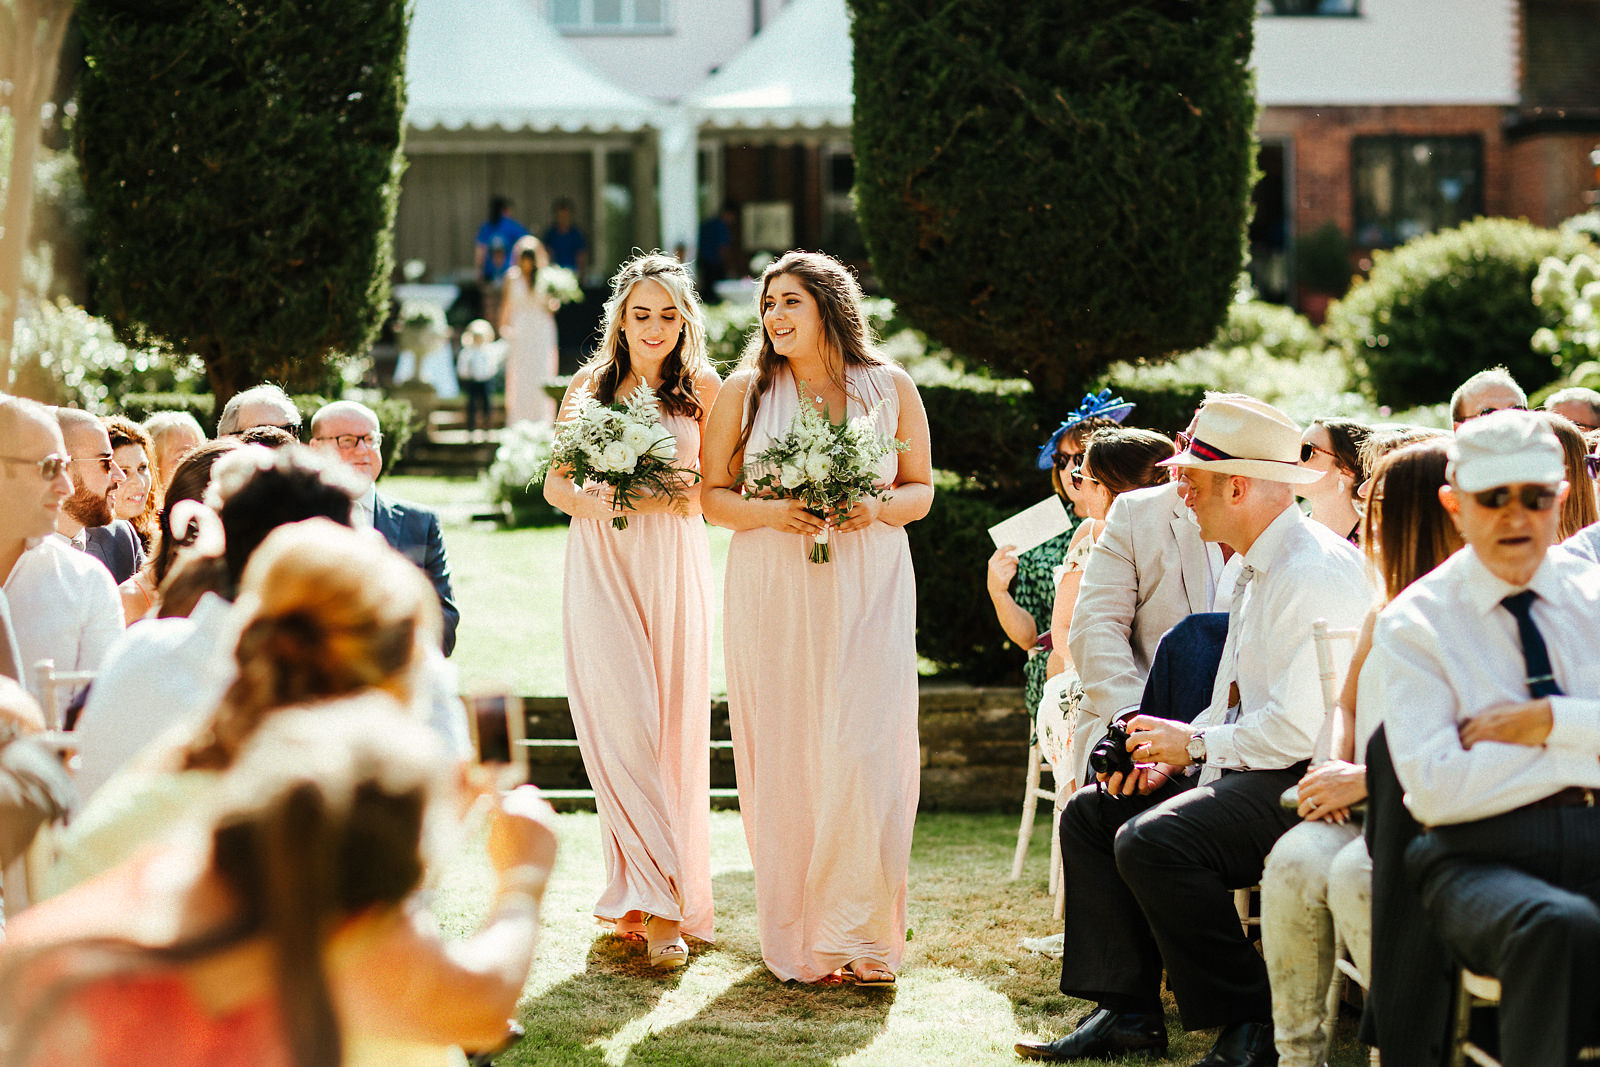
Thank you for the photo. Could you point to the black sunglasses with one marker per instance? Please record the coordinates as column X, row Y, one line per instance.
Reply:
column 1307, row 450
column 1066, row 460
column 1491, row 411
column 1533, row 497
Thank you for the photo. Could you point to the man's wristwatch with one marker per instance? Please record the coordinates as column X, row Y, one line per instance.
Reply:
column 1196, row 748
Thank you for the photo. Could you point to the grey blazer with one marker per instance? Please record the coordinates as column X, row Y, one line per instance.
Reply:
column 1147, row 573
column 118, row 547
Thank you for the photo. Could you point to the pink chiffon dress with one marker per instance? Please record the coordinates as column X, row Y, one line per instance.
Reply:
column 822, row 693
column 637, row 623
column 532, row 357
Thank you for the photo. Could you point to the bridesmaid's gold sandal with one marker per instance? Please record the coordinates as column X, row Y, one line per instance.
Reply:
column 627, row 929
column 869, row 972
column 668, row 955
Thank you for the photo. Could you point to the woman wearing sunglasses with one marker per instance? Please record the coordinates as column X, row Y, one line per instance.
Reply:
column 1333, row 446
column 1579, row 508
column 1022, row 588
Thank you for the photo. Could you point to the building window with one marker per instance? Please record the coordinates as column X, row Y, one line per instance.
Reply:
column 1409, row 186
column 1308, row 7
column 610, row 16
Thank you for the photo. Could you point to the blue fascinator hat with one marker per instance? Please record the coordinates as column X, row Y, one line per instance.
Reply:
column 1100, row 405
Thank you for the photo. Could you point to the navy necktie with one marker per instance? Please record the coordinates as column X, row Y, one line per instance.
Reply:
column 1541, row 680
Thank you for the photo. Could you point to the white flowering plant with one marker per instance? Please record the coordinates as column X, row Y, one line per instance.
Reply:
column 559, row 284
column 624, row 446
column 829, row 466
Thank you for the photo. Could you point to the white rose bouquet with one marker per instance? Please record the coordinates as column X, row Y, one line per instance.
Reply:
column 828, row 466
column 623, row 446
column 559, row 284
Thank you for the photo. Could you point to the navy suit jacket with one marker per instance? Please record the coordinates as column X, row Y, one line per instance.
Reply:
column 118, row 547
column 413, row 530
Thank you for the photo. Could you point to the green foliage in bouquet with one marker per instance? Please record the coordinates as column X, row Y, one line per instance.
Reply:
column 1444, row 306
column 242, row 164
column 1050, row 187
column 624, row 446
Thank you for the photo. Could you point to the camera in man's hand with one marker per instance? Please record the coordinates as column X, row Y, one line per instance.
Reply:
column 1111, row 755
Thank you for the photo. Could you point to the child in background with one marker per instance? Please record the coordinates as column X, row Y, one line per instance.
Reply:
column 476, row 366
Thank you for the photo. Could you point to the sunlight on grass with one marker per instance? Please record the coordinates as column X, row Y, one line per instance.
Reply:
column 966, row 990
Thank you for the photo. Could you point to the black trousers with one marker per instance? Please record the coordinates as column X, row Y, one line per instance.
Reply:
column 477, row 394
column 1517, row 896
column 1150, row 882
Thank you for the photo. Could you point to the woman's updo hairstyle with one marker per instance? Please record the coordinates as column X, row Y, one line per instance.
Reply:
column 1122, row 458
column 329, row 611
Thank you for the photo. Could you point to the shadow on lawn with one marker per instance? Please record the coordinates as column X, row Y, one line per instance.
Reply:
column 615, row 987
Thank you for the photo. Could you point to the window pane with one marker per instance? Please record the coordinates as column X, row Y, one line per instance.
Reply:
column 565, row 12
column 607, row 12
column 647, row 14
column 1405, row 187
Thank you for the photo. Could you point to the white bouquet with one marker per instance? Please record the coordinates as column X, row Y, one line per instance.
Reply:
column 623, row 446
column 828, row 466
column 559, row 284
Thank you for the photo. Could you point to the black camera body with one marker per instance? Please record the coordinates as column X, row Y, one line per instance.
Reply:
column 1111, row 755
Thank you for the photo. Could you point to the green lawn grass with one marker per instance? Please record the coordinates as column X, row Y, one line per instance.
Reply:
column 508, row 587
column 966, row 989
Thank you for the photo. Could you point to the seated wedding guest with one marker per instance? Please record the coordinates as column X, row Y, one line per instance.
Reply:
column 263, row 405
column 1471, row 666
column 1332, row 447
column 135, row 501
column 1488, row 390
column 140, row 593
column 322, row 615
column 285, row 929
column 1580, row 405
column 1579, row 508
column 1149, row 571
column 64, row 606
column 171, row 671
column 1022, row 588
column 87, row 519
column 1150, row 875
column 1318, row 877
column 347, row 432
column 1116, row 461
column 173, row 435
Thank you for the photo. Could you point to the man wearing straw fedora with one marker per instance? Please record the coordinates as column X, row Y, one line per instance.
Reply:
column 1151, row 869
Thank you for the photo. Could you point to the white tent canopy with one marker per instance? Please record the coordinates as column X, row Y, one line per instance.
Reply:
column 795, row 73
column 487, row 64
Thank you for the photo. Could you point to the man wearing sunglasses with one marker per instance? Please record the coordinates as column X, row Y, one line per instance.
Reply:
column 87, row 518
column 1488, row 676
column 64, row 605
column 1485, row 392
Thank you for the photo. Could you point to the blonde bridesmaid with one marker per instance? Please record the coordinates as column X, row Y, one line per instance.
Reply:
column 822, row 658
column 637, row 622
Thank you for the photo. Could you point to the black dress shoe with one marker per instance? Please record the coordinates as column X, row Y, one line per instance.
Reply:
column 1104, row 1033
column 1242, row 1045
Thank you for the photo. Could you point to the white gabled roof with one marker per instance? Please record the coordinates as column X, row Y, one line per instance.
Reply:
column 794, row 73
column 487, row 64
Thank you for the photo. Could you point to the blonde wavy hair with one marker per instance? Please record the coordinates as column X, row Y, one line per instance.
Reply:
column 612, row 362
column 330, row 612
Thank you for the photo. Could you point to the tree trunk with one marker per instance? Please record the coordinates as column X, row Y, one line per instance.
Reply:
column 31, row 32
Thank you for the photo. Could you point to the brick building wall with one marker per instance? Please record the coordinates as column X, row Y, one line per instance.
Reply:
column 1549, row 175
column 1319, row 138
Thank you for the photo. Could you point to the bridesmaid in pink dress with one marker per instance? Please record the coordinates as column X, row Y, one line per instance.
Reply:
column 822, row 659
column 528, row 324
column 637, row 611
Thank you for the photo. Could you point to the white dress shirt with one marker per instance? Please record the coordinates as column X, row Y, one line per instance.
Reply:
column 363, row 508
column 1303, row 572
column 64, row 607
column 1445, row 650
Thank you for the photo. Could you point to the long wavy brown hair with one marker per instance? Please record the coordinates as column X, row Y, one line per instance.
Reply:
column 612, row 362
column 844, row 326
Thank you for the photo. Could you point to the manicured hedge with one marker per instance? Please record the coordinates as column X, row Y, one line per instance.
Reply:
column 1049, row 187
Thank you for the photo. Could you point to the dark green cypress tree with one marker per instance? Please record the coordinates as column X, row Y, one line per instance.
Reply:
column 1051, row 185
column 241, row 160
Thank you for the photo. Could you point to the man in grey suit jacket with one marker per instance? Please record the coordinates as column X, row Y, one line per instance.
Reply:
column 348, row 431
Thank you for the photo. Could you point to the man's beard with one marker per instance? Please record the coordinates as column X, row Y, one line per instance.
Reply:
column 87, row 509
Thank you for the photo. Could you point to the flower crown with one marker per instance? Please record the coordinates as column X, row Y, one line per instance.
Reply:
column 1101, row 405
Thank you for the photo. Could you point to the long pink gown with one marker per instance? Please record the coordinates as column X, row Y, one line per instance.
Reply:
column 637, row 609
column 822, row 692
column 532, row 358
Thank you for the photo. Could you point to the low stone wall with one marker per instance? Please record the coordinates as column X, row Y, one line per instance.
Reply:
column 974, row 746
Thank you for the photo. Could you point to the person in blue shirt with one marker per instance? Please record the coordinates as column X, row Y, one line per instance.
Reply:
column 567, row 246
